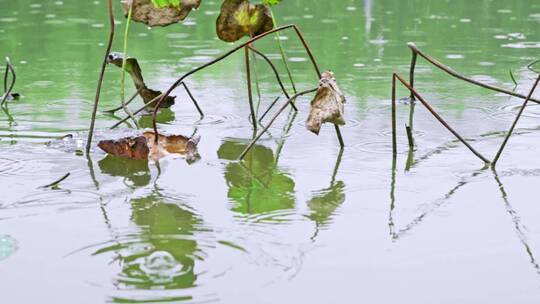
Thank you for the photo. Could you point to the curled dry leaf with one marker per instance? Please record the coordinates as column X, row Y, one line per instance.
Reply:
column 239, row 18
column 327, row 105
column 134, row 70
column 143, row 147
column 145, row 11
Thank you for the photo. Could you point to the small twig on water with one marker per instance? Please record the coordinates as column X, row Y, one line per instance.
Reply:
column 455, row 74
column 54, row 184
column 246, row 150
column 496, row 159
column 7, row 91
column 101, row 75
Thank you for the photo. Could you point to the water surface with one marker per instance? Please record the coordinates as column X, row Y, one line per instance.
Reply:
column 298, row 221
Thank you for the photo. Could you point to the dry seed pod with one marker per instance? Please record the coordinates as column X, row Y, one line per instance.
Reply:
column 327, row 105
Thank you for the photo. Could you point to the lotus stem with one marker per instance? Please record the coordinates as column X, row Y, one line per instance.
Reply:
column 101, row 75
column 439, row 118
column 282, row 52
column 7, row 91
column 394, row 135
column 252, row 143
column 124, row 61
column 269, row 108
column 127, row 102
column 276, row 73
column 496, row 159
column 455, row 74
column 227, row 54
column 250, row 93
column 193, row 100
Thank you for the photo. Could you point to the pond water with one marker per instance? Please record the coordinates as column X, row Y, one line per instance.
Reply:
column 298, row 221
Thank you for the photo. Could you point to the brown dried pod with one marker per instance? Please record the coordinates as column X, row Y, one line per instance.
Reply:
column 239, row 18
column 327, row 105
column 146, row 12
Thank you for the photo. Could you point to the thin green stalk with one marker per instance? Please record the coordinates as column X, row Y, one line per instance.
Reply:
column 257, row 86
column 124, row 61
column 283, row 56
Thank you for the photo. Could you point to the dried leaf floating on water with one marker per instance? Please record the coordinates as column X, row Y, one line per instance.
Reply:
column 239, row 18
column 128, row 147
column 161, row 12
column 134, row 70
column 143, row 147
column 327, row 105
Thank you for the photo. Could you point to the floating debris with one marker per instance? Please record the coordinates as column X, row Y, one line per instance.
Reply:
column 145, row 147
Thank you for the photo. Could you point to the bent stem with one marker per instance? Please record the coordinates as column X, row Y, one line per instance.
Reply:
column 496, row 159
column 112, row 111
column 439, row 118
column 227, row 54
column 101, row 75
column 124, row 61
column 455, row 74
column 252, row 143
column 276, row 73
column 195, row 103
column 7, row 91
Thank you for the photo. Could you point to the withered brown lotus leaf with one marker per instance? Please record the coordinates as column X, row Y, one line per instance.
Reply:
column 146, row 12
column 129, row 147
column 178, row 144
column 327, row 105
column 134, row 69
column 143, row 147
column 239, row 18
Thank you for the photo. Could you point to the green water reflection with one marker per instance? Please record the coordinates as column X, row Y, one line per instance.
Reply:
column 163, row 252
column 256, row 185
